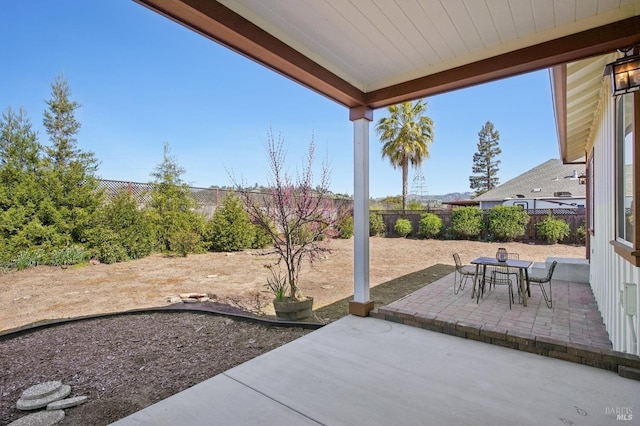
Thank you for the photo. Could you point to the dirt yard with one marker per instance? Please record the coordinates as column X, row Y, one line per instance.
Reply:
column 238, row 278
column 125, row 363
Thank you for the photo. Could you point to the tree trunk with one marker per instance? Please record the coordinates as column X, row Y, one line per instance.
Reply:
column 405, row 184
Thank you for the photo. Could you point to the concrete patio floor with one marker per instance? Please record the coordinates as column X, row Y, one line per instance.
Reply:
column 359, row 371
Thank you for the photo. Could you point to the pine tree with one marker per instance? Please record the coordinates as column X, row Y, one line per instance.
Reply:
column 19, row 146
column 71, row 178
column 485, row 163
column 173, row 205
column 21, row 194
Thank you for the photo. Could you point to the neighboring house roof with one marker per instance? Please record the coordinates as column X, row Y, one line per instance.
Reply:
column 458, row 203
column 543, row 181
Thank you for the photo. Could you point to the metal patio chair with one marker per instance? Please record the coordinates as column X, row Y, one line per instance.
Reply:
column 541, row 280
column 499, row 271
column 494, row 276
column 461, row 274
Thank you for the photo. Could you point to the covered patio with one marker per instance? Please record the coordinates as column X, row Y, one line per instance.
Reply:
column 432, row 357
column 409, row 365
column 359, row 371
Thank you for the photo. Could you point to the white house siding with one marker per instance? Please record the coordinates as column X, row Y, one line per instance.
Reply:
column 608, row 270
column 485, row 205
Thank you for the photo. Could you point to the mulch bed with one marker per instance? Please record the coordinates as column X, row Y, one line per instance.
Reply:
column 125, row 363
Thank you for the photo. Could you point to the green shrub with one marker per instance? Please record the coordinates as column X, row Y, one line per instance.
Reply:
column 552, row 230
column 466, row 222
column 71, row 255
column 261, row 238
column 230, row 228
column 507, row 222
column 134, row 229
column 376, row 224
column 430, row 225
column 581, row 233
column 403, row 227
column 184, row 242
column 36, row 235
column 345, row 226
column 104, row 244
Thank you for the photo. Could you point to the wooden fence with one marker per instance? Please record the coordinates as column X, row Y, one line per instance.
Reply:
column 210, row 199
column 575, row 218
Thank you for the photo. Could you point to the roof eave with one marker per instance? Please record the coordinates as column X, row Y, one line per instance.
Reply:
column 219, row 23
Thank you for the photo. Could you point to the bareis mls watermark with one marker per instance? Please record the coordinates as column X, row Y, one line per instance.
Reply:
column 621, row 413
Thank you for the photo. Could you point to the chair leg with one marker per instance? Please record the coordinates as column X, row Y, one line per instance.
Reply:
column 480, row 291
column 459, row 282
column 547, row 299
column 463, row 282
column 511, row 301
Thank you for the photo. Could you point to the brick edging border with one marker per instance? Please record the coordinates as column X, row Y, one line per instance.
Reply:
column 626, row 365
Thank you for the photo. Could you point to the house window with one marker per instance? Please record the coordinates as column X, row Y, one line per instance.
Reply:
column 590, row 193
column 624, row 168
column 627, row 158
column 590, row 204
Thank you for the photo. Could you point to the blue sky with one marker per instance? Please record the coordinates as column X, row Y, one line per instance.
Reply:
column 144, row 80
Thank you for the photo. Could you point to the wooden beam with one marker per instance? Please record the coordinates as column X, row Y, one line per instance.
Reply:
column 222, row 25
column 593, row 42
column 219, row 23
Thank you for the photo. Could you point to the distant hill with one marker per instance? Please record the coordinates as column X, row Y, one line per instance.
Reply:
column 452, row 196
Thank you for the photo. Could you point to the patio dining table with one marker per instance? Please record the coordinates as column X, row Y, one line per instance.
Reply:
column 521, row 265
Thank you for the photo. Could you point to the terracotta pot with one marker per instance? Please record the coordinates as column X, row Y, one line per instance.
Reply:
column 294, row 310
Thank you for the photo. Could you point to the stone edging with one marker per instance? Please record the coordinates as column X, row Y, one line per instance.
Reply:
column 626, row 365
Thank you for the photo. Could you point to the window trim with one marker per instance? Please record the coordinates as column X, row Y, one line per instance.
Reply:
column 591, row 192
column 630, row 252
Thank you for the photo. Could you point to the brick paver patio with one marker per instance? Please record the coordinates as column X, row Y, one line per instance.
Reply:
column 574, row 317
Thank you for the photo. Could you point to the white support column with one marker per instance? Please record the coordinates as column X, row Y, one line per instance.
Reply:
column 361, row 304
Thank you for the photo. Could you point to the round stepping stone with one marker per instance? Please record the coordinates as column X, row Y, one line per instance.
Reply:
column 41, row 390
column 41, row 418
column 34, row 404
column 67, row 403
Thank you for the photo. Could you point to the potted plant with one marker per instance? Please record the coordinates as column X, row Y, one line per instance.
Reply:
column 297, row 216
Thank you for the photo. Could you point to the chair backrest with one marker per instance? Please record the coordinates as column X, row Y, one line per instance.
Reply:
column 456, row 258
column 514, row 256
column 550, row 271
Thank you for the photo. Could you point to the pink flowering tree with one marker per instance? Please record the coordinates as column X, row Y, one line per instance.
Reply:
column 296, row 215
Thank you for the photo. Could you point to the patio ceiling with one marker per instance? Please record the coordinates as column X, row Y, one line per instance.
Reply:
column 367, row 54
column 577, row 93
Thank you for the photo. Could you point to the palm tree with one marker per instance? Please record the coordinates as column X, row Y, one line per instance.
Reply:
column 406, row 135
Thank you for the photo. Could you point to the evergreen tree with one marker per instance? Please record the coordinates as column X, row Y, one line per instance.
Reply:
column 19, row 146
column 485, row 163
column 230, row 228
column 173, row 204
column 71, row 178
column 21, row 194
